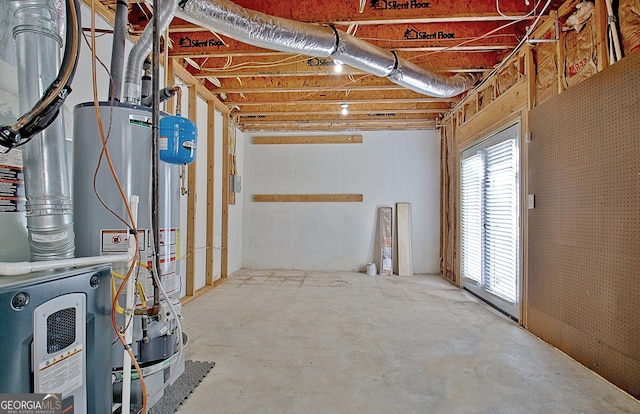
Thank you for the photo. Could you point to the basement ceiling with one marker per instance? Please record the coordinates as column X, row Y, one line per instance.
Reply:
column 268, row 90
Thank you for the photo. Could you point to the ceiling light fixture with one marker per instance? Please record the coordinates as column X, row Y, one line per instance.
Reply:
column 338, row 66
column 345, row 108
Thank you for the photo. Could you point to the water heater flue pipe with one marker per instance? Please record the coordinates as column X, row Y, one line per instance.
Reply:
column 276, row 33
column 142, row 48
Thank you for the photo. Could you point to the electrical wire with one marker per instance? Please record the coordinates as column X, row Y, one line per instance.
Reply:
column 509, row 56
column 532, row 12
column 227, row 67
column 469, row 40
column 46, row 110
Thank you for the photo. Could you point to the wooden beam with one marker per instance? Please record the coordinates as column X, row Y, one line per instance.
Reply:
column 338, row 125
column 184, row 74
column 310, row 139
column 438, row 35
column 105, row 12
column 211, row 108
column 202, row 290
column 170, row 80
column 371, row 112
column 506, row 105
column 350, row 101
column 226, row 170
column 287, row 65
column 336, row 11
column 191, row 203
column 307, row 198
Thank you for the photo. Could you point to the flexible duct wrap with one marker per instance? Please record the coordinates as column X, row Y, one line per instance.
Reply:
column 140, row 51
column 276, row 33
column 259, row 29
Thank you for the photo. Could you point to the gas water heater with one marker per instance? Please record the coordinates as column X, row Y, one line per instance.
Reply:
column 100, row 232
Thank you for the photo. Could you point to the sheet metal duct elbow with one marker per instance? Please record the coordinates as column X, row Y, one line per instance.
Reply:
column 276, row 33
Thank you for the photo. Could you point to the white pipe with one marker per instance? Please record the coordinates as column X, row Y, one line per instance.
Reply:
column 21, row 268
column 613, row 33
column 128, row 308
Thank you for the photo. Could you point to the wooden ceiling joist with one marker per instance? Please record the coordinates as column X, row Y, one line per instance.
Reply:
column 269, row 90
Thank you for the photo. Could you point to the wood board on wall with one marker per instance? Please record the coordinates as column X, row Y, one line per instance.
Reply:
column 583, row 284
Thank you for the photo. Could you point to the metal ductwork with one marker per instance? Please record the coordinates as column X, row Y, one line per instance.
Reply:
column 142, row 48
column 49, row 209
column 276, row 33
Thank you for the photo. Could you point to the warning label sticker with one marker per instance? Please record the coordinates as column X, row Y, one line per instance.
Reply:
column 117, row 241
column 12, row 197
column 62, row 373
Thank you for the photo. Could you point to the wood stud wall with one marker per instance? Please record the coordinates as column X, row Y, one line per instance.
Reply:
column 195, row 90
column 610, row 354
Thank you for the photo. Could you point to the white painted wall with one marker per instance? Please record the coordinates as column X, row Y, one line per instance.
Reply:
column 388, row 167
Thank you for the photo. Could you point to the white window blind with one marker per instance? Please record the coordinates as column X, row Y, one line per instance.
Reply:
column 471, row 217
column 489, row 220
column 500, row 220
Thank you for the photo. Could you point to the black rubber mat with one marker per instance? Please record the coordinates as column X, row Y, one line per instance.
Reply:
column 175, row 394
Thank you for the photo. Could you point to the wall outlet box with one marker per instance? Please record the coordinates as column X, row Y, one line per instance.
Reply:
column 235, row 183
column 531, row 201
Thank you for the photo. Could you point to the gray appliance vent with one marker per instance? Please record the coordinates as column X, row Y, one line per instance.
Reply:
column 61, row 330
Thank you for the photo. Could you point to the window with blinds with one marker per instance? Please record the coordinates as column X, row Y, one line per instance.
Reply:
column 471, row 218
column 490, row 220
column 500, row 220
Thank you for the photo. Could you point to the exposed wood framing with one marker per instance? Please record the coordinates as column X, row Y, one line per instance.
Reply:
column 309, row 139
column 203, row 290
column 307, row 198
column 226, row 171
column 191, row 204
column 472, row 119
column 511, row 101
column 210, row 193
column 170, row 79
column 183, row 74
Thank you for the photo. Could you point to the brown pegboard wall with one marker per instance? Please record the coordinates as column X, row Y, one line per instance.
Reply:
column 584, row 233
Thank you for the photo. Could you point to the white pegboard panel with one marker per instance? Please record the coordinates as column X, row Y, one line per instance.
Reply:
column 584, row 233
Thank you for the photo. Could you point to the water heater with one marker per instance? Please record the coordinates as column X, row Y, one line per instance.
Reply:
column 128, row 134
column 100, row 232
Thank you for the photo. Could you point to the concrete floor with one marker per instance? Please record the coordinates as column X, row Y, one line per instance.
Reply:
column 298, row 342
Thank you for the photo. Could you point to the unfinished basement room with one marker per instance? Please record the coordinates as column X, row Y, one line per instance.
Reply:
column 320, row 207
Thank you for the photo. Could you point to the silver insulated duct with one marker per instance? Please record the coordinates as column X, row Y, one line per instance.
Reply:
column 139, row 52
column 48, row 207
column 286, row 35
